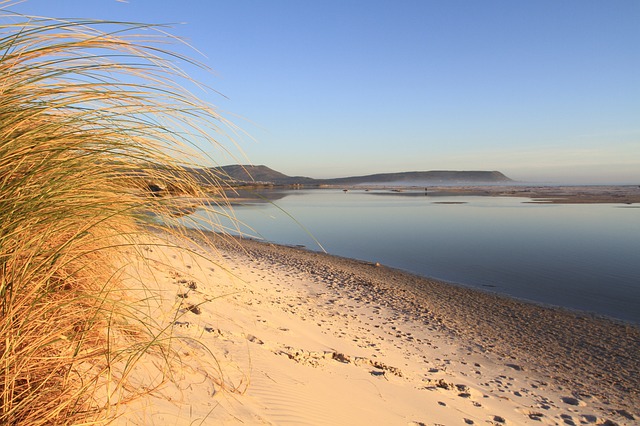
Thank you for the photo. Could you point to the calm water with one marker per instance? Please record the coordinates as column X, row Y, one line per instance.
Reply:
column 584, row 257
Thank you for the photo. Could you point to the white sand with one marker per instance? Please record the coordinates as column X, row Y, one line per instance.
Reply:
column 296, row 347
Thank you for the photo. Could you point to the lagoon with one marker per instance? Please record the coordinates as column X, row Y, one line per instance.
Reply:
column 577, row 256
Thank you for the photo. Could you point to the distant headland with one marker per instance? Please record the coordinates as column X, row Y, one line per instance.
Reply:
column 248, row 174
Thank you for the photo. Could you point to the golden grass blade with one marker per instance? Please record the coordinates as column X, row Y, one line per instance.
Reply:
column 91, row 121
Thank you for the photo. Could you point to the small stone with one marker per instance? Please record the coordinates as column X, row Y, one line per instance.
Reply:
column 194, row 309
column 442, row 384
column 341, row 357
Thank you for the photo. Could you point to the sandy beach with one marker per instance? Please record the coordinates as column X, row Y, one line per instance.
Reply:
column 268, row 334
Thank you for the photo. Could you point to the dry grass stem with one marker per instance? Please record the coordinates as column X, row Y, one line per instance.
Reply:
column 95, row 123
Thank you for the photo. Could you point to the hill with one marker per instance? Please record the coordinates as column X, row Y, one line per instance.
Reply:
column 257, row 174
column 431, row 177
column 263, row 174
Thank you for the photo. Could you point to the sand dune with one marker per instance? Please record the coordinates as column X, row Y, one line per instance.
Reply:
column 286, row 336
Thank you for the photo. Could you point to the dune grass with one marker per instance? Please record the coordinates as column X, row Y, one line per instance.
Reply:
column 93, row 115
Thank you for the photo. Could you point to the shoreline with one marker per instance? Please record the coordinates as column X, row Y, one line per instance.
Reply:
column 556, row 194
column 484, row 289
column 597, row 276
column 488, row 290
column 312, row 338
column 470, row 312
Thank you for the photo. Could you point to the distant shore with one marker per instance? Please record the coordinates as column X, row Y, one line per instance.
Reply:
column 622, row 194
column 330, row 340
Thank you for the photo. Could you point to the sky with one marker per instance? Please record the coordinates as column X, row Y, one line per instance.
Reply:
column 545, row 91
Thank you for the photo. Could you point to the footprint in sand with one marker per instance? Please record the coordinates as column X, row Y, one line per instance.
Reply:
column 536, row 416
column 254, row 339
column 569, row 400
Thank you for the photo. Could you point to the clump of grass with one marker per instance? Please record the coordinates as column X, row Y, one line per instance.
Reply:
column 92, row 115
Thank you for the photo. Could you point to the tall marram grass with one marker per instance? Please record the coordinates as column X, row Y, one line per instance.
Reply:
column 91, row 114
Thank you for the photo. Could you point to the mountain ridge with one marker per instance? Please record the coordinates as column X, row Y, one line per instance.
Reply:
column 261, row 174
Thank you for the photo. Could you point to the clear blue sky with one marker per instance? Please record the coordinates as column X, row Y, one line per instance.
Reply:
column 543, row 90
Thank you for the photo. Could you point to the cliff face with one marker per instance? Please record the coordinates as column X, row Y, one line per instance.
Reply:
column 263, row 174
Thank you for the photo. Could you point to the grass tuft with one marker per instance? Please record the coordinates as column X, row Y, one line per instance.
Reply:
column 95, row 122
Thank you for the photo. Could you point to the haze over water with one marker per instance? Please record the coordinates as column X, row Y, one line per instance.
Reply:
column 581, row 256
